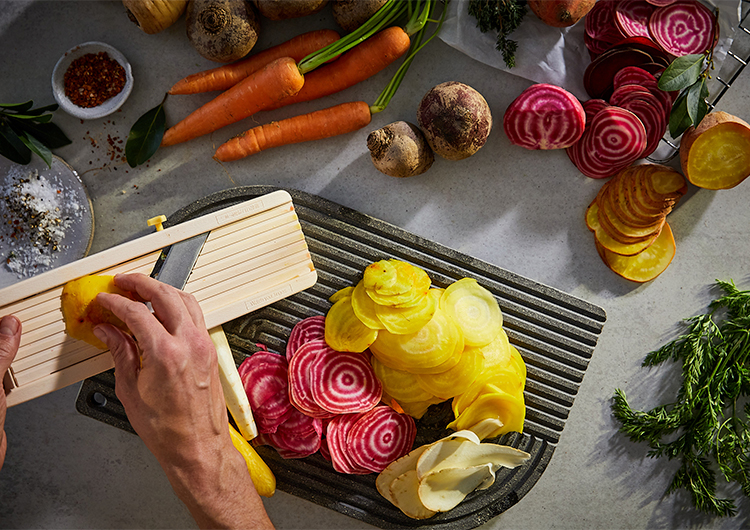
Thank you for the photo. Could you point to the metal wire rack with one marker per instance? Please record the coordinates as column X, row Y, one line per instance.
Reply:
column 737, row 59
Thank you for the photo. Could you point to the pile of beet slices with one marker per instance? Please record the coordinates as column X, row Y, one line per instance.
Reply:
column 318, row 399
column 631, row 42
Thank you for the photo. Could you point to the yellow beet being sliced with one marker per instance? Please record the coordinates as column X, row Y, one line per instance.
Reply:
column 341, row 293
column 435, row 347
column 405, row 320
column 504, row 378
column 395, row 283
column 364, row 307
column 262, row 476
column 497, row 404
column 399, row 384
column 497, row 352
column 518, row 363
column 474, row 309
column 80, row 311
column 344, row 331
column 456, row 379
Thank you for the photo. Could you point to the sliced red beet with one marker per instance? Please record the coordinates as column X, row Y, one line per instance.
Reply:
column 343, row 382
column 683, row 27
column 600, row 22
column 592, row 106
column 336, row 435
column 660, row 3
column 598, row 77
column 651, row 114
column 639, row 76
column 298, row 437
column 379, row 437
column 300, row 393
column 264, row 377
column 544, row 116
column 614, row 139
column 632, row 17
column 310, row 328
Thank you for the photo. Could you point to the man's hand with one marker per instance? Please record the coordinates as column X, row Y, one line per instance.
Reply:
column 167, row 379
column 10, row 338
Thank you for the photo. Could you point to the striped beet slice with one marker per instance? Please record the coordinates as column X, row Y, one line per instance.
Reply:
column 632, row 17
column 264, row 377
column 379, row 437
column 336, row 435
column 300, row 393
column 544, row 116
column 651, row 114
column 299, row 436
column 310, row 328
column 592, row 106
column 343, row 382
column 683, row 27
column 599, row 22
column 634, row 75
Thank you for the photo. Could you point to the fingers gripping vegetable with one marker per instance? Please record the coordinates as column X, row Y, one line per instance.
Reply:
column 222, row 30
column 455, row 119
column 716, row 154
column 225, row 77
column 400, row 150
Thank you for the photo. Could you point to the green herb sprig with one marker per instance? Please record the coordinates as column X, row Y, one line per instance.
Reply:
column 688, row 74
column 503, row 16
column 707, row 426
column 145, row 135
column 25, row 130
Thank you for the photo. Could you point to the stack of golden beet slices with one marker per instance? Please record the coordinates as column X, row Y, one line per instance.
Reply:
column 628, row 219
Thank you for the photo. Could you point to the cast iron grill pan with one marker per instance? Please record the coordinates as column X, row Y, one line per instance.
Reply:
column 555, row 333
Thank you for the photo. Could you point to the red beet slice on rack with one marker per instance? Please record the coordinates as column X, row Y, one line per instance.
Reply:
column 379, row 437
column 634, row 75
column 652, row 116
column 299, row 436
column 336, row 436
column 310, row 328
column 343, row 382
column 300, row 393
column 544, row 116
column 591, row 107
column 632, row 17
column 264, row 377
column 683, row 27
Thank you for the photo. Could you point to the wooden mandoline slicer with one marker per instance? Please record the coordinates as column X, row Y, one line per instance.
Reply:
column 255, row 255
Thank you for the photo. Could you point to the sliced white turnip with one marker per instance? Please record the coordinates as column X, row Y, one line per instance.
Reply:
column 683, row 27
column 403, row 492
column 632, row 17
column 459, row 453
column 544, row 116
column 445, row 489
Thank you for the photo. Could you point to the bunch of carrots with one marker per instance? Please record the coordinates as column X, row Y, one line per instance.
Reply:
column 307, row 67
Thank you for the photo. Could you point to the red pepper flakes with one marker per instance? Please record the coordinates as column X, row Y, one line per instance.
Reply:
column 92, row 79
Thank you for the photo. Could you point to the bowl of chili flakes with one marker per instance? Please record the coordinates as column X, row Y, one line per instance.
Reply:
column 92, row 80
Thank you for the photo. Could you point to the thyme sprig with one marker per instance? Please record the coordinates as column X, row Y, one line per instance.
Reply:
column 503, row 16
column 706, row 427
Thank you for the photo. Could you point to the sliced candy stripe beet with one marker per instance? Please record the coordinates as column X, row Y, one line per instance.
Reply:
column 628, row 92
column 310, row 328
column 264, row 377
column 336, row 435
column 652, row 116
column 344, row 382
column 617, row 136
column 299, row 378
column 592, row 106
column 632, row 17
column 683, row 27
column 298, row 437
column 544, row 116
column 634, row 75
column 600, row 23
column 379, row 437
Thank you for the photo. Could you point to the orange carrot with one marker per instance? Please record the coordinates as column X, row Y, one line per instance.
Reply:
column 264, row 88
column 339, row 119
column 360, row 63
column 226, row 76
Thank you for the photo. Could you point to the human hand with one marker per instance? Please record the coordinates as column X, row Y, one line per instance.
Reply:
column 167, row 379
column 10, row 338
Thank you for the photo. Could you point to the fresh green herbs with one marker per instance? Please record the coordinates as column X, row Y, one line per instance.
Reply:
column 706, row 427
column 688, row 74
column 503, row 16
column 145, row 135
column 25, row 130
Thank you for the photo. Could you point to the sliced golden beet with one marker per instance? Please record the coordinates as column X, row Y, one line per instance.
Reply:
column 715, row 155
column 497, row 403
column 399, row 384
column 364, row 307
column 474, row 309
column 404, row 320
column 80, row 311
column 456, row 379
column 603, row 238
column 344, row 331
column 646, row 265
column 621, row 231
column 395, row 283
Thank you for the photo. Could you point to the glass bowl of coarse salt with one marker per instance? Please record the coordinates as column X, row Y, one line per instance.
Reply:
column 92, row 80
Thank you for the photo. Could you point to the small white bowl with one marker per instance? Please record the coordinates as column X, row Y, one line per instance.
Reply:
column 106, row 108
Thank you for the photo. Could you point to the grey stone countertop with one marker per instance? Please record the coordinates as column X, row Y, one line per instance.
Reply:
column 516, row 209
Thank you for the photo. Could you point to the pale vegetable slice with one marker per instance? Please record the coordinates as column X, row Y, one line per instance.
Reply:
column 404, row 494
column 231, row 383
column 474, row 309
column 456, row 453
column 364, row 307
column 409, row 461
column 344, row 331
column 485, row 428
column 443, row 490
column 497, row 352
column 405, row 320
column 456, row 379
column 341, row 293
